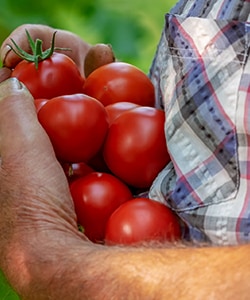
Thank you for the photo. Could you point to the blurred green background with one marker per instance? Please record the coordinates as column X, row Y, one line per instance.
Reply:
column 133, row 28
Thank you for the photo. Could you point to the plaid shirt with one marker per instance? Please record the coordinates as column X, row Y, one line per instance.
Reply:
column 201, row 72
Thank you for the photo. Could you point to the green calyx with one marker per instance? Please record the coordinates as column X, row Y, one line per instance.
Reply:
column 37, row 53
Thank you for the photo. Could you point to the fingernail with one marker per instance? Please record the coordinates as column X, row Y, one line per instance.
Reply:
column 9, row 87
column 14, row 83
column 4, row 53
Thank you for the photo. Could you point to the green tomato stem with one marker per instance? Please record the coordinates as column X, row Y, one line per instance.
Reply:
column 37, row 53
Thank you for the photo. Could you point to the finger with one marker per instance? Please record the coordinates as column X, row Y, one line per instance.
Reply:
column 8, row 57
column 23, row 142
column 4, row 73
column 21, row 135
column 64, row 39
column 29, row 169
column 77, row 47
column 15, row 101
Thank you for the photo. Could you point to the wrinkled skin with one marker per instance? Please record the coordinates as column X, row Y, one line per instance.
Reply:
column 42, row 253
column 26, row 189
column 29, row 171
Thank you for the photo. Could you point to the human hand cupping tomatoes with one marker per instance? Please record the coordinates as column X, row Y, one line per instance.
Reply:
column 71, row 107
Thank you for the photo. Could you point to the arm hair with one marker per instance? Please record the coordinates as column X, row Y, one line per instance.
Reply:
column 76, row 269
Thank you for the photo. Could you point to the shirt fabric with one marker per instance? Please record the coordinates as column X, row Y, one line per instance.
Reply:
column 201, row 73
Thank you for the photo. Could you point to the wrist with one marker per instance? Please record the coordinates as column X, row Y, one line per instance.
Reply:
column 34, row 263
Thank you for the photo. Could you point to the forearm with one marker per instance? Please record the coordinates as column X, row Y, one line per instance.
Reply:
column 171, row 274
column 88, row 271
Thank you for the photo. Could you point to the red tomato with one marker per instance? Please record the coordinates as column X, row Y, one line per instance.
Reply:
column 77, row 126
column 114, row 110
column 55, row 76
column 96, row 196
column 39, row 103
column 98, row 163
column 135, row 147
column 141, row 220
column 120, row 82
column 76, row 170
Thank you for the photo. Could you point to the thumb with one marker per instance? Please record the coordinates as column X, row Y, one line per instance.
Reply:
column 17, row 116
column 26, row 152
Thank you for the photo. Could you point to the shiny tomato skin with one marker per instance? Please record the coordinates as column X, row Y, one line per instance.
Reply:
column 39, row 103
column 120, row 82
column 76, row 124
column 135, row 148
column 55, row 76
column 96, row 196
column 142, row 220
column 74, row 171
column 114, row 110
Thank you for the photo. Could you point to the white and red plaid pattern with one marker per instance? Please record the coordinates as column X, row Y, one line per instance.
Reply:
column 201, row 73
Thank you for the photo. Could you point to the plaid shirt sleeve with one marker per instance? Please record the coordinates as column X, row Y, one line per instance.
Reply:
column 201, row 73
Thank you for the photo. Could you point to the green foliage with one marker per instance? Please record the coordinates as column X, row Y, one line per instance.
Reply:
column 133, row 29
column 6, row 293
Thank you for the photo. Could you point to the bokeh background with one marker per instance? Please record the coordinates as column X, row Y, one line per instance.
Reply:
column 132, row 27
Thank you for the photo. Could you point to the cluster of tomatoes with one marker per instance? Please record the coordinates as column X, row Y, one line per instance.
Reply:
column 110, row 141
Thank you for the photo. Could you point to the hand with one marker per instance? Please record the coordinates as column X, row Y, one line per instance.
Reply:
column 4, row 73
column 44, row 256
column 36, row 210
column 64, row 39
